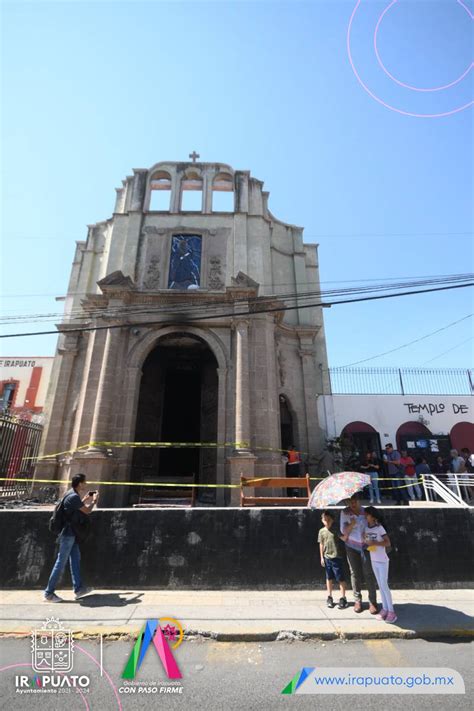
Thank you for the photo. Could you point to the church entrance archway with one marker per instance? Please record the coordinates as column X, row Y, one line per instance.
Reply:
column 178, row 404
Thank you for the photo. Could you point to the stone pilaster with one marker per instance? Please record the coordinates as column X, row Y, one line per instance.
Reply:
column 242, row 460
column 53, row 440
column 310, row 376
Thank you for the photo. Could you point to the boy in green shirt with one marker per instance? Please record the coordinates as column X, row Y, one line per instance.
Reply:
column 330, row 549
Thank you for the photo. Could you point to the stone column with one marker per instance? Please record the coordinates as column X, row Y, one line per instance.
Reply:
column 138, row 189
column 100, row 429
column 208, row 178
column 242, row 403
column 119, row 200
column 95, row 462
column 314, row 435
column 53, row 440
column 221, row 434
column 175, row 192
column 242, row 460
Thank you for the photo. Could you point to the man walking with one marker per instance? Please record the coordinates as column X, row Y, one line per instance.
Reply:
column 353, row 524
column 396, row 472
column 76, row 504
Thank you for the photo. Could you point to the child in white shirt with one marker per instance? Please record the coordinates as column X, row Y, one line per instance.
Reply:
column 377, row 541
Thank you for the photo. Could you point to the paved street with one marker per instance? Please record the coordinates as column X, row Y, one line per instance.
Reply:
column 222, row 675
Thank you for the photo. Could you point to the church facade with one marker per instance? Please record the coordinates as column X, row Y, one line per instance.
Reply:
column 175, row 332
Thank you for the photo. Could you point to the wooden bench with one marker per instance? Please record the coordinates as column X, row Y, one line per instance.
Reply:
column 277, row 483
column 174, row 496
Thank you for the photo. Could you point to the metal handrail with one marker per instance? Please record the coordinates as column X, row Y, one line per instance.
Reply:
column 432, row 483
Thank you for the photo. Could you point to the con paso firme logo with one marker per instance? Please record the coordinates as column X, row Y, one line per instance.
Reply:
column 160, row 637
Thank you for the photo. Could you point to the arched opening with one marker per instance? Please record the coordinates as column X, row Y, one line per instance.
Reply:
column 160, row 192
column 357, row 438
column 462, row 435
column 191, row 193
column 418, row 441
column 413, row 433
column 177, row 404
column 223, row 193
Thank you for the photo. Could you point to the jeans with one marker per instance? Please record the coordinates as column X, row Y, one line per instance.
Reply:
column 399, row 490
column 374, row 486
column 414, row 491
column 360, row 567
column 68, row 550
column 381, row 573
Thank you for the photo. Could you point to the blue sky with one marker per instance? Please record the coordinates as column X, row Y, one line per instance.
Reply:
column 92, row 90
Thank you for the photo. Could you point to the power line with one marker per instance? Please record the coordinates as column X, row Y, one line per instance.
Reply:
column 405, row 345
column 449, row 350
column 230, row 314
column 298, row 297
column 263, row 285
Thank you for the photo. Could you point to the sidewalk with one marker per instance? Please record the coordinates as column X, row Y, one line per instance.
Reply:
column 241, row 615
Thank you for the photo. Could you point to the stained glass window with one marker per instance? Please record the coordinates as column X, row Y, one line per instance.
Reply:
column 185, row 262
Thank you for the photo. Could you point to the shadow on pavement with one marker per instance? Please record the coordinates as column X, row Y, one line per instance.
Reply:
column 110, row 599
column 430, row 619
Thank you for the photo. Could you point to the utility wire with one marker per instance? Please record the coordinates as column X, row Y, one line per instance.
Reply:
column 405, row 345
column 299, row 297
column 234, row 314
column 212, row 302
column 449, row 350
column 262, row 284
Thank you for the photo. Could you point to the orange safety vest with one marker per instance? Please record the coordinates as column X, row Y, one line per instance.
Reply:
column 293, row 456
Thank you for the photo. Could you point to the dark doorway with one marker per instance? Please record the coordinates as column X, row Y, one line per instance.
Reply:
column 286, row 425
column 177, row 406
column 288, row 440
column 181, row 422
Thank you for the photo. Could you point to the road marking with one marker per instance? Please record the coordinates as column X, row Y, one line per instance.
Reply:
column 235, row 652
column 385, row 652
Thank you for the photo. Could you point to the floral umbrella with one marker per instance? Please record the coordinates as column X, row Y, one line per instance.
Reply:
column 337, row 487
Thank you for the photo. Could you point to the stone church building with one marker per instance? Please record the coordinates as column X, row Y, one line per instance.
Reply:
column 182, row 291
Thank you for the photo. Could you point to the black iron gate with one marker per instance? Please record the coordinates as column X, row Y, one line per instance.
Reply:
column 19, row 446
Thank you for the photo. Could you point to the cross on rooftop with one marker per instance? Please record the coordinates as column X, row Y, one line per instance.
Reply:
column 194, row 155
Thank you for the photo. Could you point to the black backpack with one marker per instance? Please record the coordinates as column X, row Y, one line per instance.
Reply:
column 58, row 519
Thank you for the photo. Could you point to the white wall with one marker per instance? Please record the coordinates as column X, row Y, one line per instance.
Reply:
column 387, row 412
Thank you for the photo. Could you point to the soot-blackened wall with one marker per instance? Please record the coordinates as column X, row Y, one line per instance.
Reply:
column 231, row 548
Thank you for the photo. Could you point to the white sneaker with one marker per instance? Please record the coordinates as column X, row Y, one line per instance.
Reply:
column 52, row 597
column 82, row 593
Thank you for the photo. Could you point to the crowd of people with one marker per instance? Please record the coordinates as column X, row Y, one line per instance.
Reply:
column 398, row 476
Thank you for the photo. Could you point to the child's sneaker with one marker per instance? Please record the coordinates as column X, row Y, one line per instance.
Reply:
column 330, row 602
column 342, row 603
column 391, row 617
column 382, row 615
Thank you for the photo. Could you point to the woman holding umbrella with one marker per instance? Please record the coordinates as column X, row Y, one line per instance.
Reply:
column 353, row 525
column 331, row 491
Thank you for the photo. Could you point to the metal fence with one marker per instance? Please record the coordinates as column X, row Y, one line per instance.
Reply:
column 402, row 381
column 19, row 445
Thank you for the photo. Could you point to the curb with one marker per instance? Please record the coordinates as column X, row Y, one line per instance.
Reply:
column 126, row 634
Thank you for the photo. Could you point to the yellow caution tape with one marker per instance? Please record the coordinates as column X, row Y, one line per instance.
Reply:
column 176, row 485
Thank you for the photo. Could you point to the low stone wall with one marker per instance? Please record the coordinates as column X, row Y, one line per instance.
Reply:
column 231, row 548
